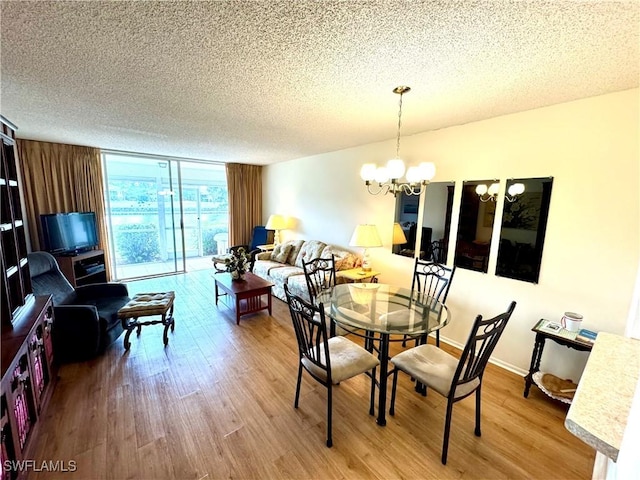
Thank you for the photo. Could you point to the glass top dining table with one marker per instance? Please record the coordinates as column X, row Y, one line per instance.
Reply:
column 376, row 311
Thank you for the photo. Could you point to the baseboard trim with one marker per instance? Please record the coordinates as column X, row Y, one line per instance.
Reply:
column 492, row 360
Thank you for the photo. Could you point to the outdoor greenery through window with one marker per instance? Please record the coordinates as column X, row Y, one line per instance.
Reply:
column 165, row 215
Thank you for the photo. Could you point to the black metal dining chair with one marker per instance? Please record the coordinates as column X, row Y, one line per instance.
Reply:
column 453, row 378
column 432, row 279
column 329, row 360
column 320, row 274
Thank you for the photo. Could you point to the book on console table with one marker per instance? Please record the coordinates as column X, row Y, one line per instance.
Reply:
column 586, row 336
column 556, row 329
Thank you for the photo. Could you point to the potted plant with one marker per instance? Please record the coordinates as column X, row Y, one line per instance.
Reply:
column 237, row 264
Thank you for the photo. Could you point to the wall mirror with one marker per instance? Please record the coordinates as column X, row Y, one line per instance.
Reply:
column 524, row 223
column 475, row 226
column 436, row 221
column 405, row 225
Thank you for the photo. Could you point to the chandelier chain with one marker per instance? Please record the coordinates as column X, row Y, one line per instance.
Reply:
column 399, row 125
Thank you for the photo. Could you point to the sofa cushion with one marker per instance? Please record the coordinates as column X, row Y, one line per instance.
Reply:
column 344, row 259
column 293, row 254
column 263, row 256
column 281, row 252
column 281, row 275
column 263, row 268
column 297, row 285
column 310, row 250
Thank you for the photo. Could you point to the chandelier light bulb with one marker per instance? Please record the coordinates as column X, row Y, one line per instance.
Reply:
column 395, row 168
column 493, row 189
column 481, row 189
column 516, row 189
column 368, row 172
column 413, row 175
column 427, row 171
column 382, row 175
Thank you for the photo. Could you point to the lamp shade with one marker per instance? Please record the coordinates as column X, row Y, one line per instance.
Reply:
column 365, row 236
column 398, row 235
column 276, row 222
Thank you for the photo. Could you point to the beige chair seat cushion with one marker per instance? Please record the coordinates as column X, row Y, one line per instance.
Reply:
column 358, row 319
column 433, row 367
column 401, row 318
column 347, row 360
column 327, row 315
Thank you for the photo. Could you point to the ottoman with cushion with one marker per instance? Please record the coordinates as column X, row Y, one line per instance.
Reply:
column 147, row 305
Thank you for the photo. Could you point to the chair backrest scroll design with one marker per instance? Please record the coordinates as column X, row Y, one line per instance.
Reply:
column 320, row 274
column 432, row 279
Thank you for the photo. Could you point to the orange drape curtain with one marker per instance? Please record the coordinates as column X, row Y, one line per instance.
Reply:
column 62, row 178
column 244, row 184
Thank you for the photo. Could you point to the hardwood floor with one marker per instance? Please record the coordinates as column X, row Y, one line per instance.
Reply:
column 218, row 403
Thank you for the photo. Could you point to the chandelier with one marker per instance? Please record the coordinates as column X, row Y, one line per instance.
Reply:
column 386, row 179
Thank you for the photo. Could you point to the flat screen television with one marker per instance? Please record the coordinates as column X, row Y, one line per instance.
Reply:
column 69, row 233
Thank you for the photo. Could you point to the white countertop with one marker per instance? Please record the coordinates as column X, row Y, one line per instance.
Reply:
column 600, row 409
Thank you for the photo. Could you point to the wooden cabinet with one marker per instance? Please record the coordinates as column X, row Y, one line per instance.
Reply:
column 28, row 373
column 26, row 349
column 15, row 283
column 84, row 268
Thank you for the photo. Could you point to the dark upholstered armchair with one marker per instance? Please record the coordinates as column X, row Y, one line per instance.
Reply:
column 85, row 318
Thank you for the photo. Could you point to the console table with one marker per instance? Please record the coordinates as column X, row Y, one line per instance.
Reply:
column 541, row 338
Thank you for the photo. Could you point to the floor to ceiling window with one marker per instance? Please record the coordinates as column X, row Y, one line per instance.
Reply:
column 165, row 215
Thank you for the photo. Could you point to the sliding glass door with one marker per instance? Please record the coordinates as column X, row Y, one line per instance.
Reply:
column 163, row 213
column 205, row 203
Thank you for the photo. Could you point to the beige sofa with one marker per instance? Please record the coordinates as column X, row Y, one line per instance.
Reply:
column 283, row 266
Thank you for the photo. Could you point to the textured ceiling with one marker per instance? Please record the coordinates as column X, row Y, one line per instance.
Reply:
column 267, row 81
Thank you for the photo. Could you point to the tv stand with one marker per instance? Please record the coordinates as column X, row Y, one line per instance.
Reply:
column 83, row 268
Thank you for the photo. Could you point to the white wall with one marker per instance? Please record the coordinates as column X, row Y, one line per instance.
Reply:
column 591, row 252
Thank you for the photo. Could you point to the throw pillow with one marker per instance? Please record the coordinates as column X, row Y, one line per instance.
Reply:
column 281, row 252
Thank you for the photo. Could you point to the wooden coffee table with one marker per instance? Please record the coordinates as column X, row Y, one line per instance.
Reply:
column 248, row 293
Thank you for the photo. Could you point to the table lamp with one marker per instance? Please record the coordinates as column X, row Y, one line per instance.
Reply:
column 365, row 236
column 399, row 237
column 277, row 223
